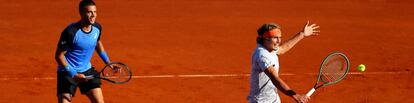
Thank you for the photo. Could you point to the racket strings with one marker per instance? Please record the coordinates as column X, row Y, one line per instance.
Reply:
column 120, row 73
column 334, row 68
column 117, row 72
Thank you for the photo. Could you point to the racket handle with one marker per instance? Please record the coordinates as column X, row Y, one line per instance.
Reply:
column 310, row 92
column 89, row 77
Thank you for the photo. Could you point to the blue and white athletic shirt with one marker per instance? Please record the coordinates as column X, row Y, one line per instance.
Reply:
column 79, row 46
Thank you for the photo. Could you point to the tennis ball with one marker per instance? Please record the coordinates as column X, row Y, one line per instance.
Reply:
column 361, row 67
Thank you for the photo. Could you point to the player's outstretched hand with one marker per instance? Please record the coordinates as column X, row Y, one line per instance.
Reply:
column 301, row 98
column 310, row 29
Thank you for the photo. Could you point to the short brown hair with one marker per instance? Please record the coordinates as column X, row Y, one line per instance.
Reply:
column 85, row 3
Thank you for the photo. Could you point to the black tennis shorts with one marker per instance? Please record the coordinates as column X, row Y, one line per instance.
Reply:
column 66, row 84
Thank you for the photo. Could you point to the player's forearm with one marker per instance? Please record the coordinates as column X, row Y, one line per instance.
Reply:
column 284, row 88
column 99, row 47
column 101, row 52
column 286, row 46
column 282, row 85
column 60, row 58
column 277, row 81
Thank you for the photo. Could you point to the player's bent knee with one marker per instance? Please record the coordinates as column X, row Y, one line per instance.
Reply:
column 65, row 98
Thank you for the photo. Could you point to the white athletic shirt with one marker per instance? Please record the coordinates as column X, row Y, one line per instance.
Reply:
column 262, row 89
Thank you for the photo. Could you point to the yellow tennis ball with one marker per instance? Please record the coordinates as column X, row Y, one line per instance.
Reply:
column 361, row 67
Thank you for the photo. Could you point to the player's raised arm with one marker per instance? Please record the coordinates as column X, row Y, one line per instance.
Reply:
column 308, row 30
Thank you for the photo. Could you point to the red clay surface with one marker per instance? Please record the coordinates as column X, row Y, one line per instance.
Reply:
column 159, row 37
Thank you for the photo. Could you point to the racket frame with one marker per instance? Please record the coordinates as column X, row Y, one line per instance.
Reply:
column 316, row 86
column 107, row 78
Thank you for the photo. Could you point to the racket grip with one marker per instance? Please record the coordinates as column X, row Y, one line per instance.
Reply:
column 310, row 92
column 89, row 77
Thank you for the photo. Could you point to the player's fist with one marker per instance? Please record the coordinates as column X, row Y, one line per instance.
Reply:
column 115, row 68
column 301, row 98
column 80, row 78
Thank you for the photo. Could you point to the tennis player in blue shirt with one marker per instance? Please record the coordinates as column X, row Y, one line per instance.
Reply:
column 74, row 51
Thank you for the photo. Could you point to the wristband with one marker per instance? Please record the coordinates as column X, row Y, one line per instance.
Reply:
column 71, row 72
column 290, row 92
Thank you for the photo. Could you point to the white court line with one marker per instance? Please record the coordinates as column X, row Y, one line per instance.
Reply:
column 371, row 73
column 154, row 76
column 210, row 75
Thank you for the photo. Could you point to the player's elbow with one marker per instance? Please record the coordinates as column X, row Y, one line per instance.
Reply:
column 59, row 55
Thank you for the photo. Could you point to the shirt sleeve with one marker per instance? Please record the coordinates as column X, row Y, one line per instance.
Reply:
column 264, row 63
column 97, row 25
column 64, row 40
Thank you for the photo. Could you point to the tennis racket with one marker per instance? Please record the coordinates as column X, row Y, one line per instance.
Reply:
column 114, row 72
column 332, row 70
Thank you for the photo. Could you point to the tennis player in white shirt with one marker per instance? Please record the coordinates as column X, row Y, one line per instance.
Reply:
column 264, row 79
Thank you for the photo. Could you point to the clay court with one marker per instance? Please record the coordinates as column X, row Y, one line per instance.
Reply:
column 199, row 51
